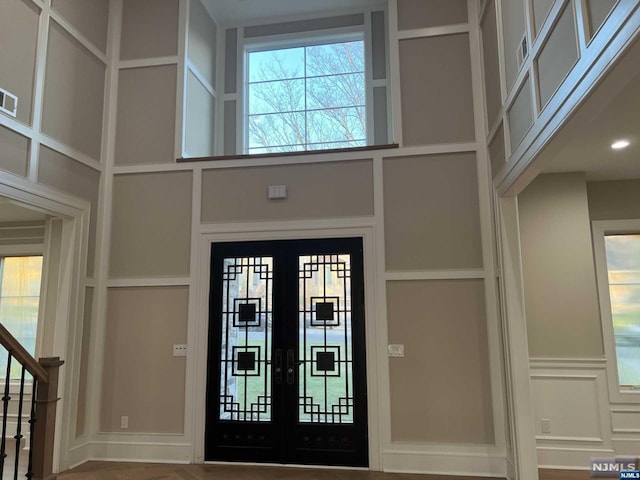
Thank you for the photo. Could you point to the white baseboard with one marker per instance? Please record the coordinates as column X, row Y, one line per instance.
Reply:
column 131, row 451
column 442, row 460
column 566, row 458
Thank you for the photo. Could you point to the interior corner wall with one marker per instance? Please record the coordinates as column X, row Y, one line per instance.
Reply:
column 614, row 200
column 563, row 316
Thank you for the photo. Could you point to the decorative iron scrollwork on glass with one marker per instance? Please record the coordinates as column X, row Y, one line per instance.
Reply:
column 325, row 349
column 247, row 307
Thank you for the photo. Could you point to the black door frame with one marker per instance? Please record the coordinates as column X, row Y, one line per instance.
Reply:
column 275, row 448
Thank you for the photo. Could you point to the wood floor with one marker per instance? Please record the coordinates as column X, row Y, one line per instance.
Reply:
column 143, row 471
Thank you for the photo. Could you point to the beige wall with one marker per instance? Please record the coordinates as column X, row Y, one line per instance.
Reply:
column 146, row 126
column 430, row 13
column 141, row 377
column 431, row 208
column 513, row 26
column 90, row 17
column 18, row 35
column 73, row 94
column 14, row 151
column 440, row 390
column 521, row 115
column 202, row 41
column 614, row 200
column 558, row 56
column 437, row 103
column 323, row 190
column 563, row 316
column 146, row 34
column 200, row 119
column 151, row 225
column 65, row 174
column 491, row 62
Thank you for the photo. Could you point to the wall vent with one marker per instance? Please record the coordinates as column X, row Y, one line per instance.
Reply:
column 8, row 103
column 523, row 50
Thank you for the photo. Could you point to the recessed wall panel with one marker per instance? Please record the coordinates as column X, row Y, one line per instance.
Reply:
column 430, row 13
column 379, row 45
column 146, row 115
column 435, row 84
column 18, row 36
column 319, row 190
column 73, row 94
column 14, row 152
column 520, row 115
column 491, row 62
column 558, row 55
column 151, row 225
column 598, row 10
column 65, row 174
column 513, row 25
column 541, row 9
column 141, row 378
column 497, row 153
column 381, row 133
column 199, row 130
column 438, row 393
column 202, row 41
column 230, row 127
column 230, row 60
column 89, row 17
column 149, row 29
column 431, row 208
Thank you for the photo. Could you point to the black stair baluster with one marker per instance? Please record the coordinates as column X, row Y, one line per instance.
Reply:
column 5, row 408
column 18, row 435
column 32, row 421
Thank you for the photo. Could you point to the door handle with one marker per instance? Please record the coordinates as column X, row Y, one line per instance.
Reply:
column 278, row 369
column 291, row 362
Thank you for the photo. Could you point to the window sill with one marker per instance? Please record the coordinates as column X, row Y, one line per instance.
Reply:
column 290, row 154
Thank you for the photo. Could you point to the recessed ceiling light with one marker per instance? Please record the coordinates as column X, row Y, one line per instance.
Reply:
column 620, row 144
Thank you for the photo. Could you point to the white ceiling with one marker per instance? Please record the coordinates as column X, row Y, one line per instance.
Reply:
column 10, row 212
column 610, row 113
column 239, row 11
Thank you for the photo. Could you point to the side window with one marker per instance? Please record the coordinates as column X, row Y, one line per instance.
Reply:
column 305, row 97
column 20, row 279
column 623, row 279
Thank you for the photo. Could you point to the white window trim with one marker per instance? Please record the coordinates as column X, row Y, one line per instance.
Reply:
column 294, row 40
column 600, row 229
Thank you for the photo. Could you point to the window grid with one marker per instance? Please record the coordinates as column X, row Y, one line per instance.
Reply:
column 308, row 144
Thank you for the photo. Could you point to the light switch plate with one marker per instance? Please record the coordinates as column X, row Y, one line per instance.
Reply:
column 396, row 350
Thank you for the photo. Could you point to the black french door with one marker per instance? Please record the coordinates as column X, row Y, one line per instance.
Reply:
column 286, row 380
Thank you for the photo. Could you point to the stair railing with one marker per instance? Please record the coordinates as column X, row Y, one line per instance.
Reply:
column 42, row 415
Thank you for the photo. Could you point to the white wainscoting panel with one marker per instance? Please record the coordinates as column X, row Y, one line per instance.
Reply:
column 572, row 396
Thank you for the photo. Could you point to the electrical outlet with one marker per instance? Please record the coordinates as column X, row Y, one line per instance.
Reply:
column 124, row 422
column 396, row 350
column 545, row 424
column 179, row 350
